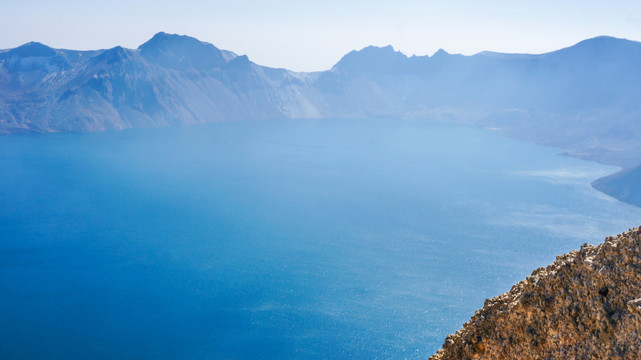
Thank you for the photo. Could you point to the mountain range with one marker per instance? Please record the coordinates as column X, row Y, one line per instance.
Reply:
column 585, row 99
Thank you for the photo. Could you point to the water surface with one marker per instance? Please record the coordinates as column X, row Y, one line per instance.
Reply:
column 277, row 240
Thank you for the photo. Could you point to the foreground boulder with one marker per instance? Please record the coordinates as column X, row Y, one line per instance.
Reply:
column 586, row 305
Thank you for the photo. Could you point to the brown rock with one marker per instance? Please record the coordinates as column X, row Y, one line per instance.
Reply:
column 586, row 305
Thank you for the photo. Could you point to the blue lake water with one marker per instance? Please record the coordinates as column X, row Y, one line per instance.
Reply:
column 304, row 239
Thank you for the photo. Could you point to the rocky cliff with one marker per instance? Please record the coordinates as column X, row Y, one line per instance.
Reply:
column 586, row 305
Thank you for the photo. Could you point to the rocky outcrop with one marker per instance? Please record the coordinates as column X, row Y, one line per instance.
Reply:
column 586, row 305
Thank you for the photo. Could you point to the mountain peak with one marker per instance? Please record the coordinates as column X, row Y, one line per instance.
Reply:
column 371, row 58
column 602, row 46
column 114, row 55
column 163, row 39
column 31, row 49
column 603, row 39
column 440, row 52
column 605, row 43
column 378, row 50
column 181, row 52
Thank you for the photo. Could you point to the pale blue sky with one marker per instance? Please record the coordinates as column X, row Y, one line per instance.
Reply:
column 313, row 35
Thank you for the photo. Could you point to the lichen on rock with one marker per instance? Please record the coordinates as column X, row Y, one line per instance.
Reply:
column 585, row 305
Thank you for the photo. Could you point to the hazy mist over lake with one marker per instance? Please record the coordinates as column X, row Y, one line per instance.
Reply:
column 294, row 239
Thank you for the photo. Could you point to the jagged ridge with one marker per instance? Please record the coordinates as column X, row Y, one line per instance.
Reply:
column 586, row 305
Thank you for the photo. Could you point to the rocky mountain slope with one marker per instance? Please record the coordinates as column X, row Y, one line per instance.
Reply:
column 586, row 305
column 169, row 80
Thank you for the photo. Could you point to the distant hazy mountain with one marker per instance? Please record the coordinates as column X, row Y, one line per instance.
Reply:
column 624, row 185
column 585, row 99
column 169, row 80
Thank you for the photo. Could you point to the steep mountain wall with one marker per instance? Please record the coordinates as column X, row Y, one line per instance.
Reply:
column 586, row 305
column 169, row 80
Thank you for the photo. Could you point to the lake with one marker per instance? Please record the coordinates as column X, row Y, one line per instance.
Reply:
column 297, row 239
